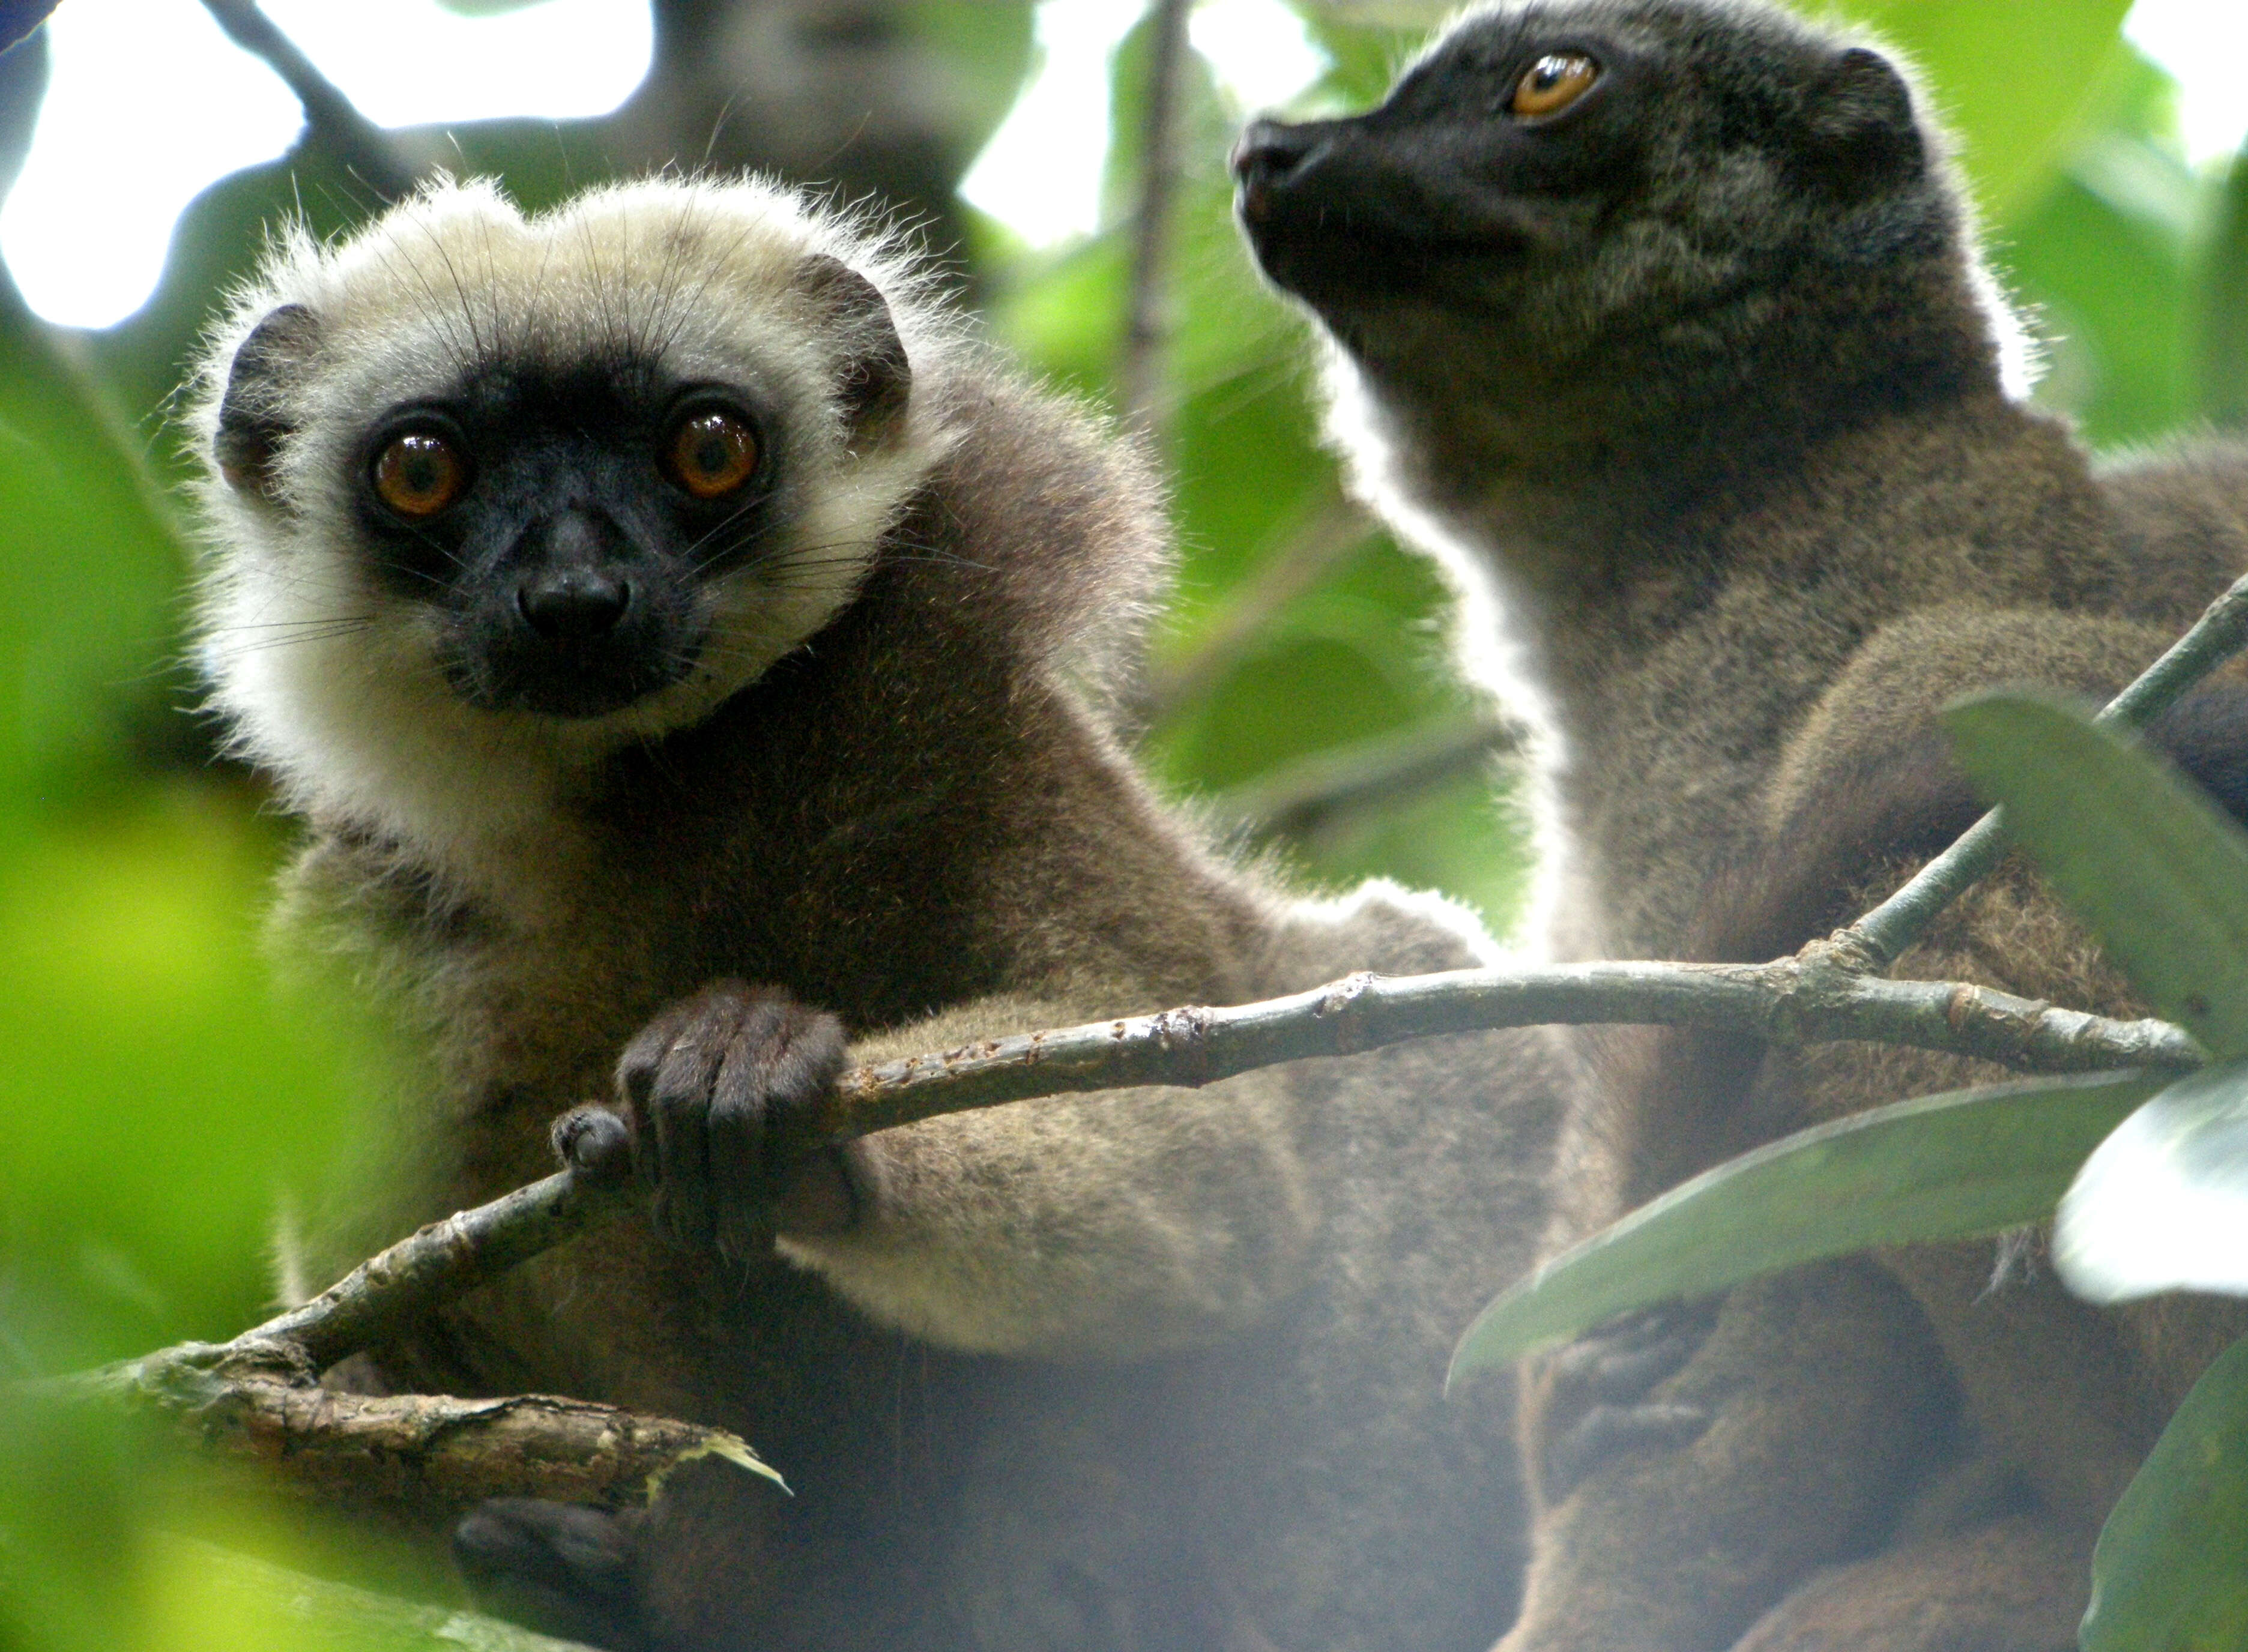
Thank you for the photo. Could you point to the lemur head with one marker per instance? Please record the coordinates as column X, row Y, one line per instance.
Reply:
column 1555, row 176
column 492, row 496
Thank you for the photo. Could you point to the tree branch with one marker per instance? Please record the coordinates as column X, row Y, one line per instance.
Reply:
column 256, row 1396
column 1298, row 798
column 1332, row 530
column 1878, row 939
column 331, row 120
column 259, row 1403
column 1806, row 999
column 437, row 1263
column 1146, row 323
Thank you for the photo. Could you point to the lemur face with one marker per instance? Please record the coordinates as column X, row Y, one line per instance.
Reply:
column 578, row 477
column 568, row 527
column 1564, row 168
column 1502, row 141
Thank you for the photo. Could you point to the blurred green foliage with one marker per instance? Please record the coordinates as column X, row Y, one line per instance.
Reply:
column 159, row 1099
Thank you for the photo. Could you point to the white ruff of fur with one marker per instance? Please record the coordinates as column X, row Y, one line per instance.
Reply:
column 1487, row 632
column 330, row 683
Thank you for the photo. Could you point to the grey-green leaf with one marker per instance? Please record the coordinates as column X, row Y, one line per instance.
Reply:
column 1943, row 1166
column 219, row 1597
column 2152, row 865
column 2167, row 1575
column 2162, row 1204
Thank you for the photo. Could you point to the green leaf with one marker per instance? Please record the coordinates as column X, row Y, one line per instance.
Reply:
column 2016, row 80
column 2103, row 268
column 1943, row 1166
column 2162, row 1204
column 2167, row 1574
column 2224, row 318
column 2159, row 873
column 202, row 1595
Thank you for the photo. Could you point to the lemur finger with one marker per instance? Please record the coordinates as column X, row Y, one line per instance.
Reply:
column 1607, row 1432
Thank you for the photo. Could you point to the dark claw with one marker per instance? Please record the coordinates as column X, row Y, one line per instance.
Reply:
column 556, row 1568
column 1609, row 1431
column 1598, row 1408
column 594, row 1143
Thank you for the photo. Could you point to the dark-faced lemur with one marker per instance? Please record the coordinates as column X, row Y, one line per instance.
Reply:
column 1668, row 316
column 689, row 653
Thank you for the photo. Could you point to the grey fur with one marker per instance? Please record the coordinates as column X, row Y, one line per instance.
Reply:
column 1705, row 373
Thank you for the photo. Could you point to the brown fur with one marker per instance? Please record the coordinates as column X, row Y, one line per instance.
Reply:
column 1721, row 398
column 1148, row 1370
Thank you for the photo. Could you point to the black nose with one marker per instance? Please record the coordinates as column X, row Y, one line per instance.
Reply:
column 1268, row 153
column 572, row 604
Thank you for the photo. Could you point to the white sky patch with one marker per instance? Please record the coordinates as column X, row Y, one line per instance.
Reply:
column 2203, row 44
column 1259, row 51
column 149, row 103
column 1040, row 174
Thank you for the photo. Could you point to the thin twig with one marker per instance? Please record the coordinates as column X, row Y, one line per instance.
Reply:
column 437, row 1263
column 1146, row 324
column 1796, row 1000
column 1299, row 797
column 1800, row 1000
column 1313, row 546
column 331, row 120
column 257, row 1398
column 1878, row 939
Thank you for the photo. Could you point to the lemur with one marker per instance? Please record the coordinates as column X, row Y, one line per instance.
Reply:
column 694, row 661
column 1669, row 318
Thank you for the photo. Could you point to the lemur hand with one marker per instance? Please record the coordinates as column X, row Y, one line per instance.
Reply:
column 706, row 1087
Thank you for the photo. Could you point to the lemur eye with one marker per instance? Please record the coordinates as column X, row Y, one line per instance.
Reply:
column 711, row 453
column 418, row 474
column 1555, row 81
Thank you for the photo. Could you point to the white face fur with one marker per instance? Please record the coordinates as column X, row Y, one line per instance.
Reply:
column 336, row 677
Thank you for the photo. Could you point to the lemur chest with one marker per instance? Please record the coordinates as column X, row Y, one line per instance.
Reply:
column 552, row 993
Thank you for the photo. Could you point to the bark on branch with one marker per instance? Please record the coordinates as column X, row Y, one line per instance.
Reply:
column 261, row 1405
column 331, row 119
column 256, row 1396
column 1147, row 328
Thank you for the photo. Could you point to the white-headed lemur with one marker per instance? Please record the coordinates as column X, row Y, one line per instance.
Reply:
column 689, row 653
column 1668, row 316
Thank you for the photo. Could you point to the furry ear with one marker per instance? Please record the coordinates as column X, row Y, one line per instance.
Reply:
column 1861, row 136
column 876, row 378
column 252, row 415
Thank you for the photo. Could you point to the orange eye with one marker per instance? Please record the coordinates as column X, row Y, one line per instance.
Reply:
column 419, row 474
column 1554, row 82
column 712, row 453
